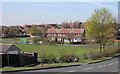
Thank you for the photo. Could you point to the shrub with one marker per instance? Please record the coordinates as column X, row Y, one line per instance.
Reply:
column 92, row 55
column 48, row 59
column 52, row 42
column 66, row 57
column 36, row 39
column 111, row 50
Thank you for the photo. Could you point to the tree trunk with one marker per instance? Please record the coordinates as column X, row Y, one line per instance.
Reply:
column 104, row 48
column 100, row 50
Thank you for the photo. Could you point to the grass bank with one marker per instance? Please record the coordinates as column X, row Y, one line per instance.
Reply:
column 53, row 65
column 54, row 50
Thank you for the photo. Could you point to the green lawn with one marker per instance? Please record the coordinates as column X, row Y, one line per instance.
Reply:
column 54, row 50
column 16, row 39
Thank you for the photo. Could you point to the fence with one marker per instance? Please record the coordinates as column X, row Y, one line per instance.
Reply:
column 17, row 60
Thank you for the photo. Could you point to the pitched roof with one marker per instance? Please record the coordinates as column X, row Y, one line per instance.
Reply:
column 64, row 30
column 78, row 31
column 52, row 30
column 44, row 24
column 5, row 47
column 83, row 24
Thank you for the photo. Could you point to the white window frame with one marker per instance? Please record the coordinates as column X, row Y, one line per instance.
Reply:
column 79, row 34
column 53, row 34
column 53, row 38
column 59, row 39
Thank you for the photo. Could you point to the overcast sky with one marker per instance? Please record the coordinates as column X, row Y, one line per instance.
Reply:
column 20, row 13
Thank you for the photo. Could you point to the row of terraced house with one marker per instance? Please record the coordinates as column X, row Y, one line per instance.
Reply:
column 66, row 35
column 70, row 32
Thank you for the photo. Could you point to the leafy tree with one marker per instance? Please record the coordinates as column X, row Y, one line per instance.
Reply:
column 34, row 31
column 13, row 31
column 99, row 27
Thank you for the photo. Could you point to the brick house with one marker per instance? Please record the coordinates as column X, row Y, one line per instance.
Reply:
column 65, row 35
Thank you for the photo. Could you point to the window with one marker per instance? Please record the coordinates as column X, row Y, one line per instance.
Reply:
column 63, row 34
column 59, row 34
column 79, row 35
column 53, row 38
column 48, row 34
column 75, row 38
column 53, row 34
column 79, row 39
column 59, row 39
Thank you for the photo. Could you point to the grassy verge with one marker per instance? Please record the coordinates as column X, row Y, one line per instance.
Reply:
column 38, row 66
column 54, row 65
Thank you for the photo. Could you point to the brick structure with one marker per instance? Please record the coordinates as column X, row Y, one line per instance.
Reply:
column 64, row 35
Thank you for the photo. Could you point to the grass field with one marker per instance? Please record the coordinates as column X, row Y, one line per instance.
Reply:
column 16, row 39
column 54, row 50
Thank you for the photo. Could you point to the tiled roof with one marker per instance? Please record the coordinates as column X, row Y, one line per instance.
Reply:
column 71, row 24
column 83, row 24
column 78, row 31
column 44, row 24
column 63, row 30
column 52, row 30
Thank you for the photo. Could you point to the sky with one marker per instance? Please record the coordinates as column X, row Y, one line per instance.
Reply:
column 20, row 13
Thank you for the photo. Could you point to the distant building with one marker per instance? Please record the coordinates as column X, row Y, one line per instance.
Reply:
column 63, row 34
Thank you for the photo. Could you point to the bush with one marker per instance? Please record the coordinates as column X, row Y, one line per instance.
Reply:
column 67, row 57
column 52, row 42
column 49, row 59
column 92, row 55
column 60, row 42
column 111, row 50
column 36, row 39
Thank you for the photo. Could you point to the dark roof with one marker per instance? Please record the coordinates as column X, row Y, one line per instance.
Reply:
column 5, row 47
